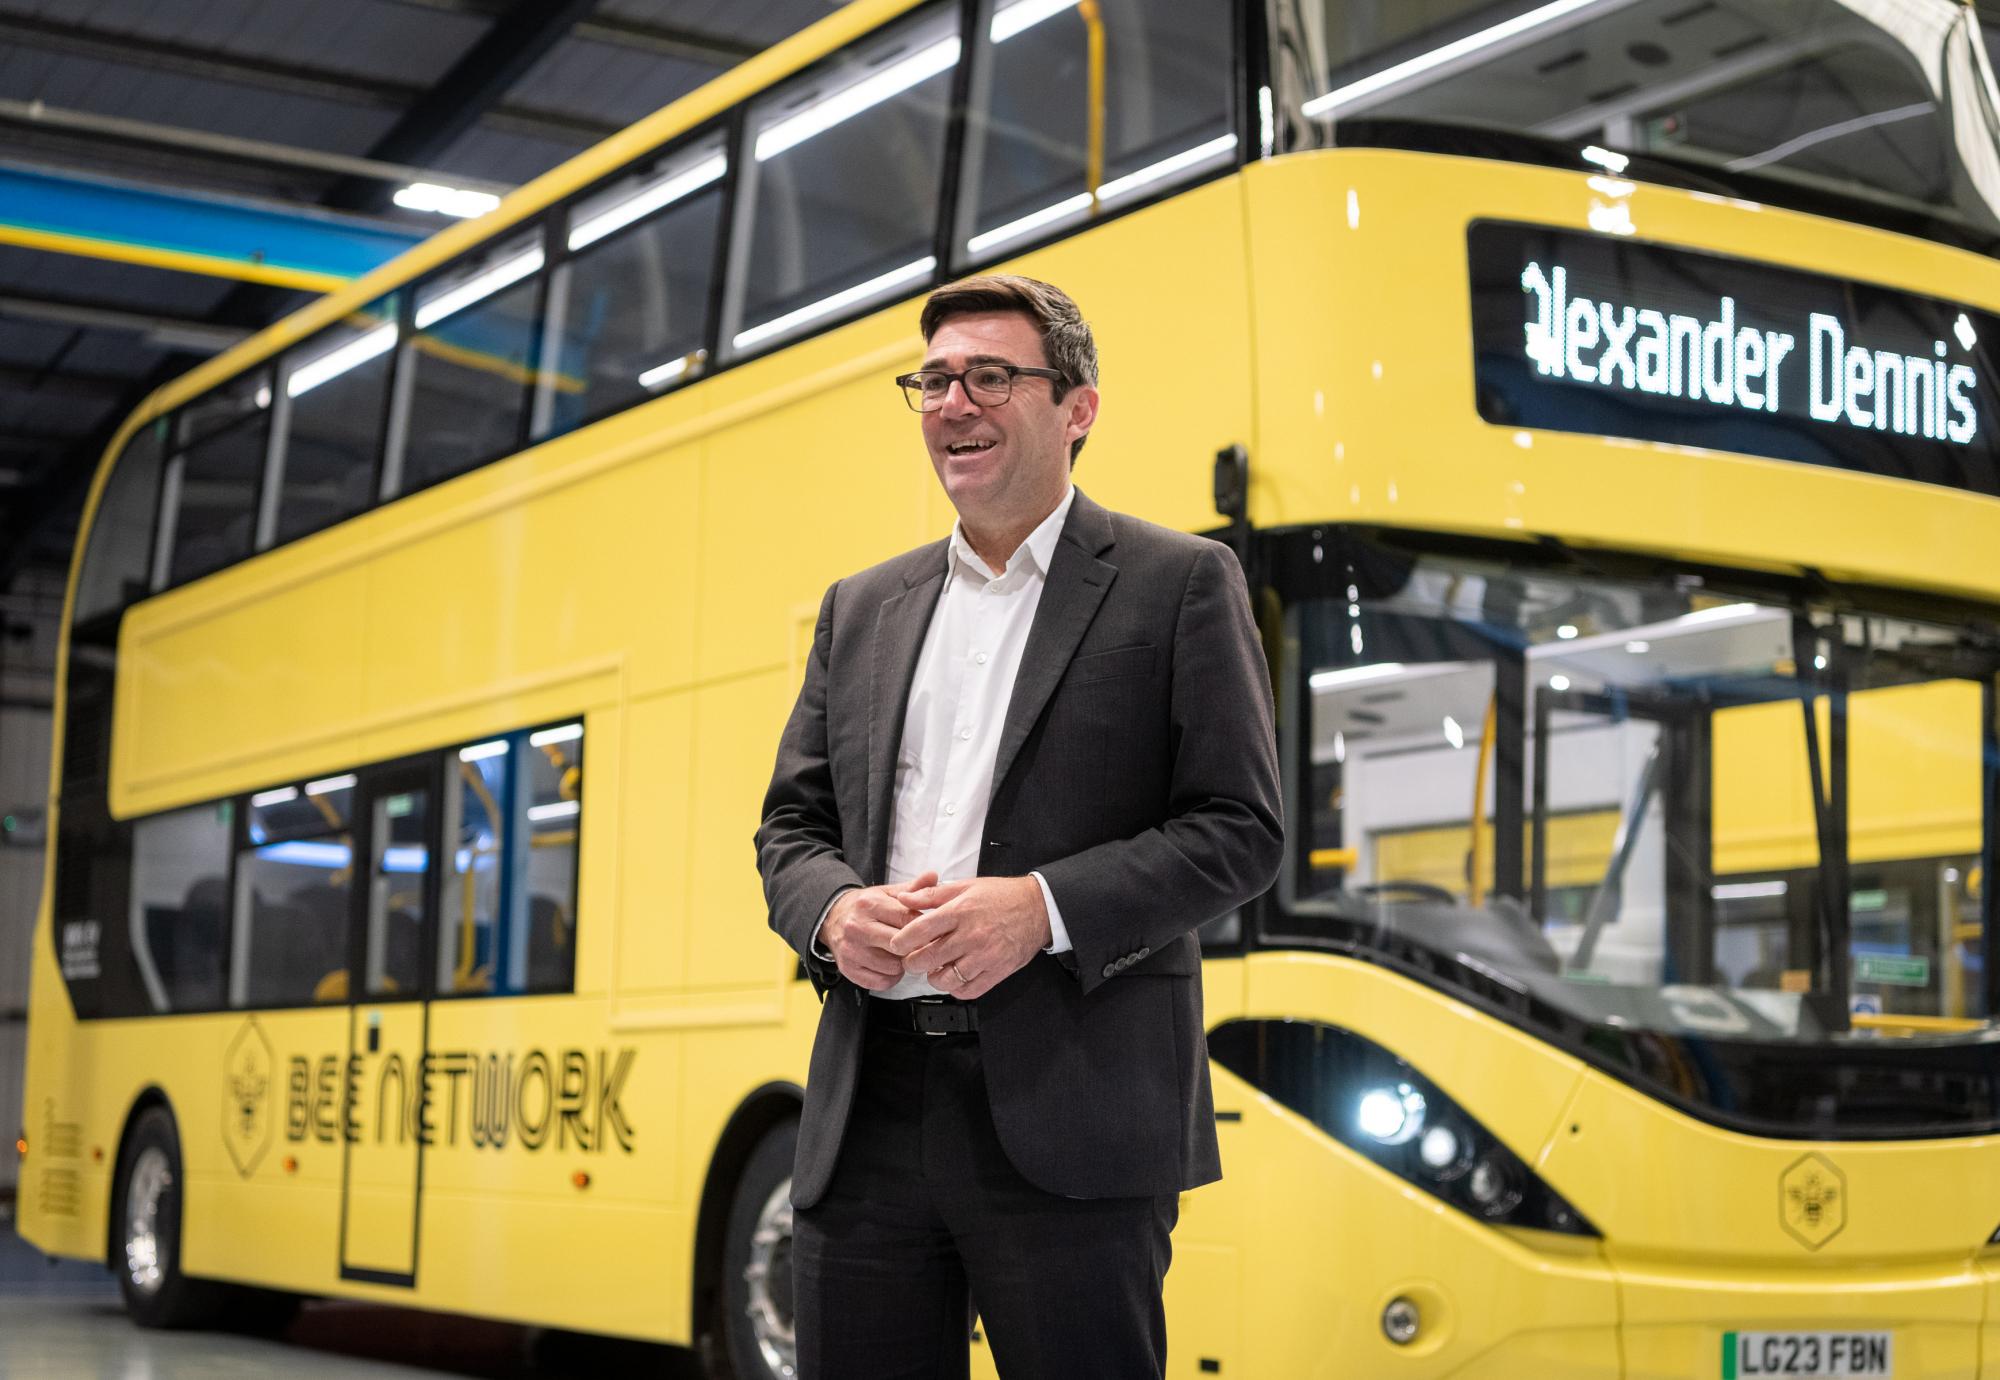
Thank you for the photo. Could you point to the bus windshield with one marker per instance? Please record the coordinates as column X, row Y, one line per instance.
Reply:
column 1645, row 799
column 1884, row 102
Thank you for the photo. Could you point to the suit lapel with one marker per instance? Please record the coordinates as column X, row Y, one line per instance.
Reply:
column 899, row 636
column 1076, row 584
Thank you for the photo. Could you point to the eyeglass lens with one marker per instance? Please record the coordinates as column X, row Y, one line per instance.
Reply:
column 988, row 385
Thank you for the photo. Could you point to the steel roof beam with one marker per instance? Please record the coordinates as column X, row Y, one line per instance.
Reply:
column 483, row 74
column 53, row 382
column 665, row 40
column 668, row 40
column 181, row 334
column 293, row 79
column 229, row 147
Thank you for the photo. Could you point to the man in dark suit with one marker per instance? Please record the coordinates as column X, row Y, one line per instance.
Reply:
column 1027, row 762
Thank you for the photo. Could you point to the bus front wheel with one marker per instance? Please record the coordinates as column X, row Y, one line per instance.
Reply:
column 757, row 1263
column 146, row 1210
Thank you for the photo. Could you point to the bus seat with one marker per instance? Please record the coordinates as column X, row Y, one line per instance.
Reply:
column 190, row 957
column 550, row 962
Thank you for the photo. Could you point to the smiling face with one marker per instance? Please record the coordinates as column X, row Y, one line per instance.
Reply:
column 1008, row 465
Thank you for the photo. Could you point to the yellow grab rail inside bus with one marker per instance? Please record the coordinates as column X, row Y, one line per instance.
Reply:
column 1093, row 165
column 1915, row 1025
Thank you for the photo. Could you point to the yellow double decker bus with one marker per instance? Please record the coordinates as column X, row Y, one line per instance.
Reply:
column 1601, row 397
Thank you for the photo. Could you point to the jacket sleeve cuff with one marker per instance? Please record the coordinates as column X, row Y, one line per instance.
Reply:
column 819, row 950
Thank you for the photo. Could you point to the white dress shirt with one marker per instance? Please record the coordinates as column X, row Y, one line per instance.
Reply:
column 958, row 707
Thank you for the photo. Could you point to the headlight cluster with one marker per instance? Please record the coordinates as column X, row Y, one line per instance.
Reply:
column 1377, row 1104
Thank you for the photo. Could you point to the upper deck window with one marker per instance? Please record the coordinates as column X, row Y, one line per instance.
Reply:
column 336, row 395
column 121, row 534
column 1155, row 73
column 629, row 309
column 471, row 363
column 209, row 509
column 839, row 193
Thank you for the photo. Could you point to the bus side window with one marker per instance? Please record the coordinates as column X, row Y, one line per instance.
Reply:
column 839, row 184
column 512, row 820
column 629, row 307
column 209, row 508
column 550, row 822
column 475, row 824
column 116, row 558
column 1163, row 80
column 470, row 365
column 179, row 915
column 293, row 880
column 336, row 395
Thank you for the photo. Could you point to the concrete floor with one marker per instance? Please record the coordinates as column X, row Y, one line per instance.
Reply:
column 65, row 1322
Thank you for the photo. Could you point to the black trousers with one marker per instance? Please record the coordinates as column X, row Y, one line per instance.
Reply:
column 925, row 1208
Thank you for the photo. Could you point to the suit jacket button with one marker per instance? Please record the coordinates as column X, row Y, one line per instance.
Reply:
column 1142, row 953
column 1110, row 969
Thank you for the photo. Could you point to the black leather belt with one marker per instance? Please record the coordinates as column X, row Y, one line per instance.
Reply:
column 924, row 1016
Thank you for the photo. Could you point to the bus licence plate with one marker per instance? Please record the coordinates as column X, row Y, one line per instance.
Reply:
column 1832, row 1354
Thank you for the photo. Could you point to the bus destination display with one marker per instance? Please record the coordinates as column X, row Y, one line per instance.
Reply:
column 1615, row 337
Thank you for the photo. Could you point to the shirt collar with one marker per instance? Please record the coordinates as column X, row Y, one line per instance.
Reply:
column 1040, row 544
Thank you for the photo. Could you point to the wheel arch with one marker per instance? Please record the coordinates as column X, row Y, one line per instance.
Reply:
column 764, row 1108
column 149, row 1097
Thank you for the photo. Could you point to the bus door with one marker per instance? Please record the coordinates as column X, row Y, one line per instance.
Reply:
column 388, row 1026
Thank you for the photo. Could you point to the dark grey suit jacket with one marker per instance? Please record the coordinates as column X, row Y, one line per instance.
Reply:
column 1137, row 771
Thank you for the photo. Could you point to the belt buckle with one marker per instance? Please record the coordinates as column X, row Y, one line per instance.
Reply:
column 921, row 1007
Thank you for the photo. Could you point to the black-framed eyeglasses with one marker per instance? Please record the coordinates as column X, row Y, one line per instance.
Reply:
column 989, row 385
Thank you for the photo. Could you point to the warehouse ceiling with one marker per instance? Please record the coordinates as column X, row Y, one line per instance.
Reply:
column 310, row 107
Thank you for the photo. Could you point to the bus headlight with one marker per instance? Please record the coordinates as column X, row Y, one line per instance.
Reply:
column 1443, row 1152
column 1379, row 1106
column 1491, row 1187
column 1391, row 1115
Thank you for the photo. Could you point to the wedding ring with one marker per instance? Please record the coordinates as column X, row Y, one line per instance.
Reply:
column 963, row 980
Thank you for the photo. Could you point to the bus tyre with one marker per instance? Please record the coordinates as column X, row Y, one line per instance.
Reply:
column 756, row 1293
column 146, row 1231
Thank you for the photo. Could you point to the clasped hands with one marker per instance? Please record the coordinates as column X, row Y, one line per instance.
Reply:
column 966, row 936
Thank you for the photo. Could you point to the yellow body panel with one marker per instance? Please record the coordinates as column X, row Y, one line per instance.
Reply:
column 658, row 574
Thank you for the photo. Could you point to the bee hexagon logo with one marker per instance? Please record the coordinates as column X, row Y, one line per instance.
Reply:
column 246, row 1097
column 1812, row 1200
